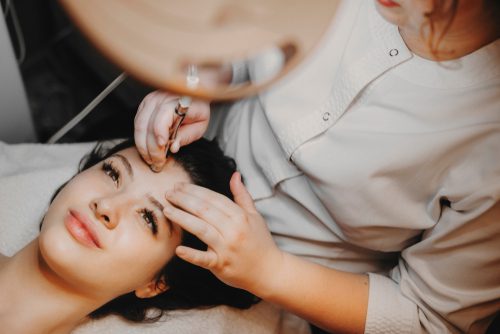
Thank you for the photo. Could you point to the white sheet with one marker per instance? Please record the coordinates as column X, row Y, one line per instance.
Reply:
column 29, row 175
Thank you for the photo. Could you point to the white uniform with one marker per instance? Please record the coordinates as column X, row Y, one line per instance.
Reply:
column 371, row 159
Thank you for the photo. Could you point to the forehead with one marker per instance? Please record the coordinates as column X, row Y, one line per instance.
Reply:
column 143, row 175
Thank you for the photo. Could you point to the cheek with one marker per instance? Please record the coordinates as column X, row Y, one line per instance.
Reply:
column 57, row 247
column 76, row 193
column 131, row 261
column 57, row 209
column 66, row 260
column 140, row 257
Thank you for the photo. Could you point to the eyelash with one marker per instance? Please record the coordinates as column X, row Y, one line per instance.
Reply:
column 111, row 171
column 150, row 219
column 148, row 215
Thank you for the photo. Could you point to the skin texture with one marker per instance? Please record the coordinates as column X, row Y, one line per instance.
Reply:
column 71, row 278
column 241, row 251
column 124, row 236
column 472, row 26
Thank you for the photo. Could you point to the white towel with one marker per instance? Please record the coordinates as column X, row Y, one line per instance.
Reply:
column 29, row 175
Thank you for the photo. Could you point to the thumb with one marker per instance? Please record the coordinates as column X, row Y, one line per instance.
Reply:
column 241, row 195
column 187, row 134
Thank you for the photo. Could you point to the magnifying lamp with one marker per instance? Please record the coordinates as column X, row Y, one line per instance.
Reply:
column 161, row 42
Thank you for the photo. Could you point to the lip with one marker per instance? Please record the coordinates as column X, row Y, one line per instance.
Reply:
column 388, row 3
column 80, row 228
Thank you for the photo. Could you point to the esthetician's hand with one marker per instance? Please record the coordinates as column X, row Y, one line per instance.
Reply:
column 241, row 251
column 154, row 119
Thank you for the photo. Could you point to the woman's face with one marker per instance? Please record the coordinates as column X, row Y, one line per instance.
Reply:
column 105, row 232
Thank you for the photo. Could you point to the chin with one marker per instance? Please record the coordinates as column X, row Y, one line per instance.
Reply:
column 62, row 257
column 54, row 249
column 71, row 265
column 394, row 16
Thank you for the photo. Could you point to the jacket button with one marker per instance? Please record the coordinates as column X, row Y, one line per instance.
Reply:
column 326, row 116
column 393, row 52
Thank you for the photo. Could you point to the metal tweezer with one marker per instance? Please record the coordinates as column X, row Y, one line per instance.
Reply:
column 180, row 110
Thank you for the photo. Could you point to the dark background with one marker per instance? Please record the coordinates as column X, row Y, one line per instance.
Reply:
column 63, row 72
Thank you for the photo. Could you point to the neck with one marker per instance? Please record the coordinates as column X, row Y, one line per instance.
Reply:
column 34, row 300
column 472, row 28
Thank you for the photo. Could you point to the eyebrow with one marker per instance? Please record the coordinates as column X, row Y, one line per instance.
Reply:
column 153, row 200
column 126, row 163
column 156, row 203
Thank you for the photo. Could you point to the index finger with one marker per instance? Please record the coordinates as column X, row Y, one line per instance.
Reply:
column 141, row 124
column 199, row 209
column 213, row 198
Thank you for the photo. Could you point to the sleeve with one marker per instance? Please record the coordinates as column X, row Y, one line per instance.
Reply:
column 449, row 282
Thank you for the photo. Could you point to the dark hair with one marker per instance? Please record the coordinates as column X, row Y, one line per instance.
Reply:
column 190, row 286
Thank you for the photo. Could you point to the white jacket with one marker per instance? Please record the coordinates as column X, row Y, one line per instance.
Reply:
column 371, row 159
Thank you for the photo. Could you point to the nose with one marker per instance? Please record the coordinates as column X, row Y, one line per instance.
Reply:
column 105, row 212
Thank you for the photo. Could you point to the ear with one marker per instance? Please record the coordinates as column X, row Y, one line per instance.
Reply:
column 152, row 289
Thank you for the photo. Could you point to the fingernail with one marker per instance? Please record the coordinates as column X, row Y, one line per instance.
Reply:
column 175, row 146
column 180, row 251
column 156, row 168
column 238, row 177
column 169, row 193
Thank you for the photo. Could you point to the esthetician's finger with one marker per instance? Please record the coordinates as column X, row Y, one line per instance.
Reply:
column 207, row 259
column 205, row 232
column 198, row 200
column 220, row 201
column 202, row 209
column 194, row 126
column 187, row 134
column 141, row 124
column 161, row 123
column 163, row 120
column 154, row 150
column 240, row 193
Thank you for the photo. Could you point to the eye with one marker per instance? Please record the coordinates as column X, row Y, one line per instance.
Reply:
column 111, row 171
column 150, row 220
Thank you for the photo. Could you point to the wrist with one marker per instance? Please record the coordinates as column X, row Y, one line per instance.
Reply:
column 271, row 276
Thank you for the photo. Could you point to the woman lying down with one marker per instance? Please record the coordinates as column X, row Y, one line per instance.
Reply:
column 105, row 246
